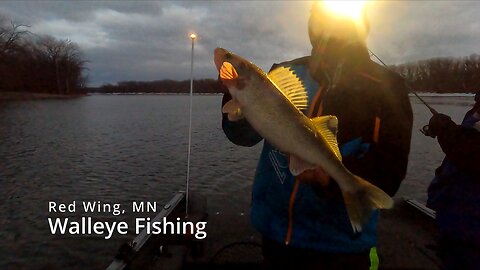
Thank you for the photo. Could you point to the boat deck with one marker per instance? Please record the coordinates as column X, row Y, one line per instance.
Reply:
column 406, row 240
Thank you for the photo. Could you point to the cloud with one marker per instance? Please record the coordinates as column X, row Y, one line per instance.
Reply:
column 404, row 31
column 85, row 34
column 148, row 40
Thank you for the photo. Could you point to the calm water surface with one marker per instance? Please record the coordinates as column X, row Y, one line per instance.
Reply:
column 120, row 149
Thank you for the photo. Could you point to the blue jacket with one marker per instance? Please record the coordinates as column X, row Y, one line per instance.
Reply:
column 309, row 216
column 455, row 191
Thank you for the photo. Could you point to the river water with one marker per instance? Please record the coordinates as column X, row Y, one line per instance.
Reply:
column 119, row 149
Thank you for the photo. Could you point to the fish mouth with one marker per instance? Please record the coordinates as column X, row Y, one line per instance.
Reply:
column 219, row 57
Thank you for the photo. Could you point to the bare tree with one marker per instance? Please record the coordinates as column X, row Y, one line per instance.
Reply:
column 10, row 34
column 65, row 60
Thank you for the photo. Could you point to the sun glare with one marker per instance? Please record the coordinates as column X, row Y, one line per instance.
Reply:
column 352, row 9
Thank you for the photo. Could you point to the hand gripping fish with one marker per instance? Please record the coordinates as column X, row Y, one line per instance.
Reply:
column 272, row 105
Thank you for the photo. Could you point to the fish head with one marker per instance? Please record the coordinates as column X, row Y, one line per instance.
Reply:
column 234, row 71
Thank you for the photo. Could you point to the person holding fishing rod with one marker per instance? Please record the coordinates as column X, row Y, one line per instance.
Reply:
column 455, row 191
column 303, row 219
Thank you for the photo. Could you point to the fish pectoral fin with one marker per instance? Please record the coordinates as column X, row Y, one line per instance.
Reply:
column 290, row 85
column 232, row 107
column 327, row 128
column 298, row 165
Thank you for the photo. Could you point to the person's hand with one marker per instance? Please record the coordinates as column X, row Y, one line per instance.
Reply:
column 437, row 123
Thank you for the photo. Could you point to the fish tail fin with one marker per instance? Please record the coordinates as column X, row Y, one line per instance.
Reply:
column 361, row 202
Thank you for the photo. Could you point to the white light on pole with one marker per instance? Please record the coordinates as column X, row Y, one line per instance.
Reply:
column 192, row 37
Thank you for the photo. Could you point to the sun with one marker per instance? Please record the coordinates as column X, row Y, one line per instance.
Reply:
column 351, row 9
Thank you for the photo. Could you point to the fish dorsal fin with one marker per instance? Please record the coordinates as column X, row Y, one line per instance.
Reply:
column 327, row 128
column 232, row 107
column 290, row 85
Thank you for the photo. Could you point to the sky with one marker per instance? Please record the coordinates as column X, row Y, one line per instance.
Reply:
column 149, row 40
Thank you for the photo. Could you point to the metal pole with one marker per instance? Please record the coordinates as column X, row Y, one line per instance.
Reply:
column 192, row 36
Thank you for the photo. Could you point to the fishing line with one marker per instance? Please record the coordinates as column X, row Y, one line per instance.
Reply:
column 407, row 84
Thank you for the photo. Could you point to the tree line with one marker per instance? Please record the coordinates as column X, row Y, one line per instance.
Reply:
column 42, row 64
column 439, row 75
column 38, row 63
column 443, row 74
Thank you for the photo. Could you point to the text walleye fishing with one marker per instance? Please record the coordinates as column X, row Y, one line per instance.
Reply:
column 86, row 226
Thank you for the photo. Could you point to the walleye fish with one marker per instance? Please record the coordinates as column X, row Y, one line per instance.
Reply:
column 272, row 105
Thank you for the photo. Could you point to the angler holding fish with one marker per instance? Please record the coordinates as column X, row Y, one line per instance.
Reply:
column 302, row 108
column 271, row 106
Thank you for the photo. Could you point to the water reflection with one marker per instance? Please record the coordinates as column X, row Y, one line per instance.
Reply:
column 124, row 148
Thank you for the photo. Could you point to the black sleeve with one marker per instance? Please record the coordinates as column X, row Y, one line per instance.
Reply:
column 461, row 146
column 385, row 164
column 239, row 132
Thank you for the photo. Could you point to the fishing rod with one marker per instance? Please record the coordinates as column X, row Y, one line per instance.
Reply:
column 410, row 89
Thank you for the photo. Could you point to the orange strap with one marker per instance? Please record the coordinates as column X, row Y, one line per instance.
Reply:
column 290, row 212
column 311, row 113
column 316, row 100
column 376, row 130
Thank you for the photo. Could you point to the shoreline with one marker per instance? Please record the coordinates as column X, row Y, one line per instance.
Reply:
column 11, row 96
